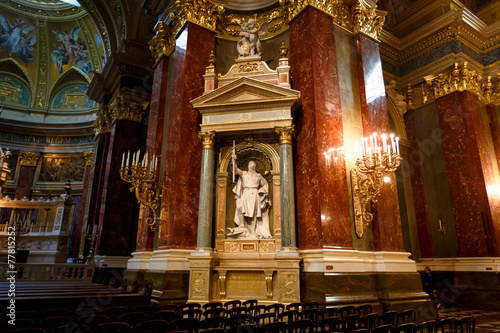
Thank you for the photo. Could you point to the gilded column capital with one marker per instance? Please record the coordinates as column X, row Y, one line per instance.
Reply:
column 29, row 158
column 102, row 123
column 89, row 157
column 285, row 134
column 335, row 8
column 163, row 43
column 366, row 19
column 122, row 108
column 461, row 78
column 208, row 139
column 203, row 13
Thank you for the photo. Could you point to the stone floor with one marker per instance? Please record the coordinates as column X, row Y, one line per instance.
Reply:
column 486, row 321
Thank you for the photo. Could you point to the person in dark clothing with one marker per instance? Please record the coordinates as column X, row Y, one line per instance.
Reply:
column 428, row 283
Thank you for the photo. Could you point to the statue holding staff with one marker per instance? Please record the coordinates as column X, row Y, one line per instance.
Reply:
column 252, row 204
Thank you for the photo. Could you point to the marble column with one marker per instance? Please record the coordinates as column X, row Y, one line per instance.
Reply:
column 28, row 162
column 145, row 236
column 80, row 222
column 386, row 224
column 287, row 189
column 413, row 166
column 180, row 201
column 491, row 110
column 322, row 190
column 206, row 208
column 470, row 174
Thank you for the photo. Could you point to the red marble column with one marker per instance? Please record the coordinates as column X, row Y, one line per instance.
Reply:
column 414, row 165
column 145, row 237
column 80, row 222
column 470, row 172
column 386, row 224
column 322, row 209
column 495, row 129
column 179, row 210
column 26, row 177
column 117, row 217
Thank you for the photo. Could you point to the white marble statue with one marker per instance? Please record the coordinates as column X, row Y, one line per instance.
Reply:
column 249, row 44
column 397, row 98
column 252, row 205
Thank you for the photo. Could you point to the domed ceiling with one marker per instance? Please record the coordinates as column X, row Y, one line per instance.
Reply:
column 49, row 50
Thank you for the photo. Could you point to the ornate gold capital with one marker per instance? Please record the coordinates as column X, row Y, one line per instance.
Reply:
column 367, row 19
column 461, row 78
column 121, row 108
column 285, row 134
column 89, row 157
column 335, row 8
column 208, row 139
column 204, row 13
column 102, row 123
column 163, row 43
column 29, row 158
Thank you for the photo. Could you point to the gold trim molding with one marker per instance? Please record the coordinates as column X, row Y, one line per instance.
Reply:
column 205, row 13
column 103, row 121
column 208, row 139
column 89, row 157
column 335, row 8
column 123, row 109
column 230, row 27
column 29, row 158
column 461, row 78
column 367, row 19
column 285, row 134
column 163, row 43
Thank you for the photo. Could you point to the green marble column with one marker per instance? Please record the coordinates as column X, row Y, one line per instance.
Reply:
column 205, row 212
column 287, row 194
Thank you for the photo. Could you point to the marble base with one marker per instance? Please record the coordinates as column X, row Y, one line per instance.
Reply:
column 481, row 264
column 111, row 261
column 353, row 261
column 139, row 260
column 168, row 287
column 170, row 260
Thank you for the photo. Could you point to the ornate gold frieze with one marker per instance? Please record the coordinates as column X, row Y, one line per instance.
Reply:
column 89, row 157
column 163, row 43
column 208, row 139
column 40, row 100
column 335, row 8
column 29, row 158
column 103, row 121
column 461, row 78
column 203, row 13
column 121, row 108
column 231, row 26
column 367, row 19
column 285, row 134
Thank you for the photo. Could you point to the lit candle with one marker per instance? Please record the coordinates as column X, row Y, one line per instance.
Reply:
column 123, row 159
column 128, row 157
column 375, row 136
column 138, row 156
column 156, row 163
column 384, row 142
column 371, row 141
column 397, row 145
column 392, row 142
column 389, row 152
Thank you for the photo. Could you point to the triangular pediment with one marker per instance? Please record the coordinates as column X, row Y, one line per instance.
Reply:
column 246, row 90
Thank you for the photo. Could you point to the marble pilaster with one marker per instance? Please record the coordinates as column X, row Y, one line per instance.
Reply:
column 180, row 203
column 322, row 209
column 413, row 164
column 491, row 111
column 28, row 163
column 470, row 174
column 386, row 224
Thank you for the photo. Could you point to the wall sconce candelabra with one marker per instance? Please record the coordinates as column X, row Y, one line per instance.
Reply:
column 143, row 176
column 367, row 177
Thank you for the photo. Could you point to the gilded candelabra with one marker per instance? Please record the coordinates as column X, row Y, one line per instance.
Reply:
column 372, row 163
column 143, row 176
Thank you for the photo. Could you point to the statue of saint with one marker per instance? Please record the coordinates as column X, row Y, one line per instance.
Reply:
column 252, row 205
column 249, row 44
column 398, row 99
